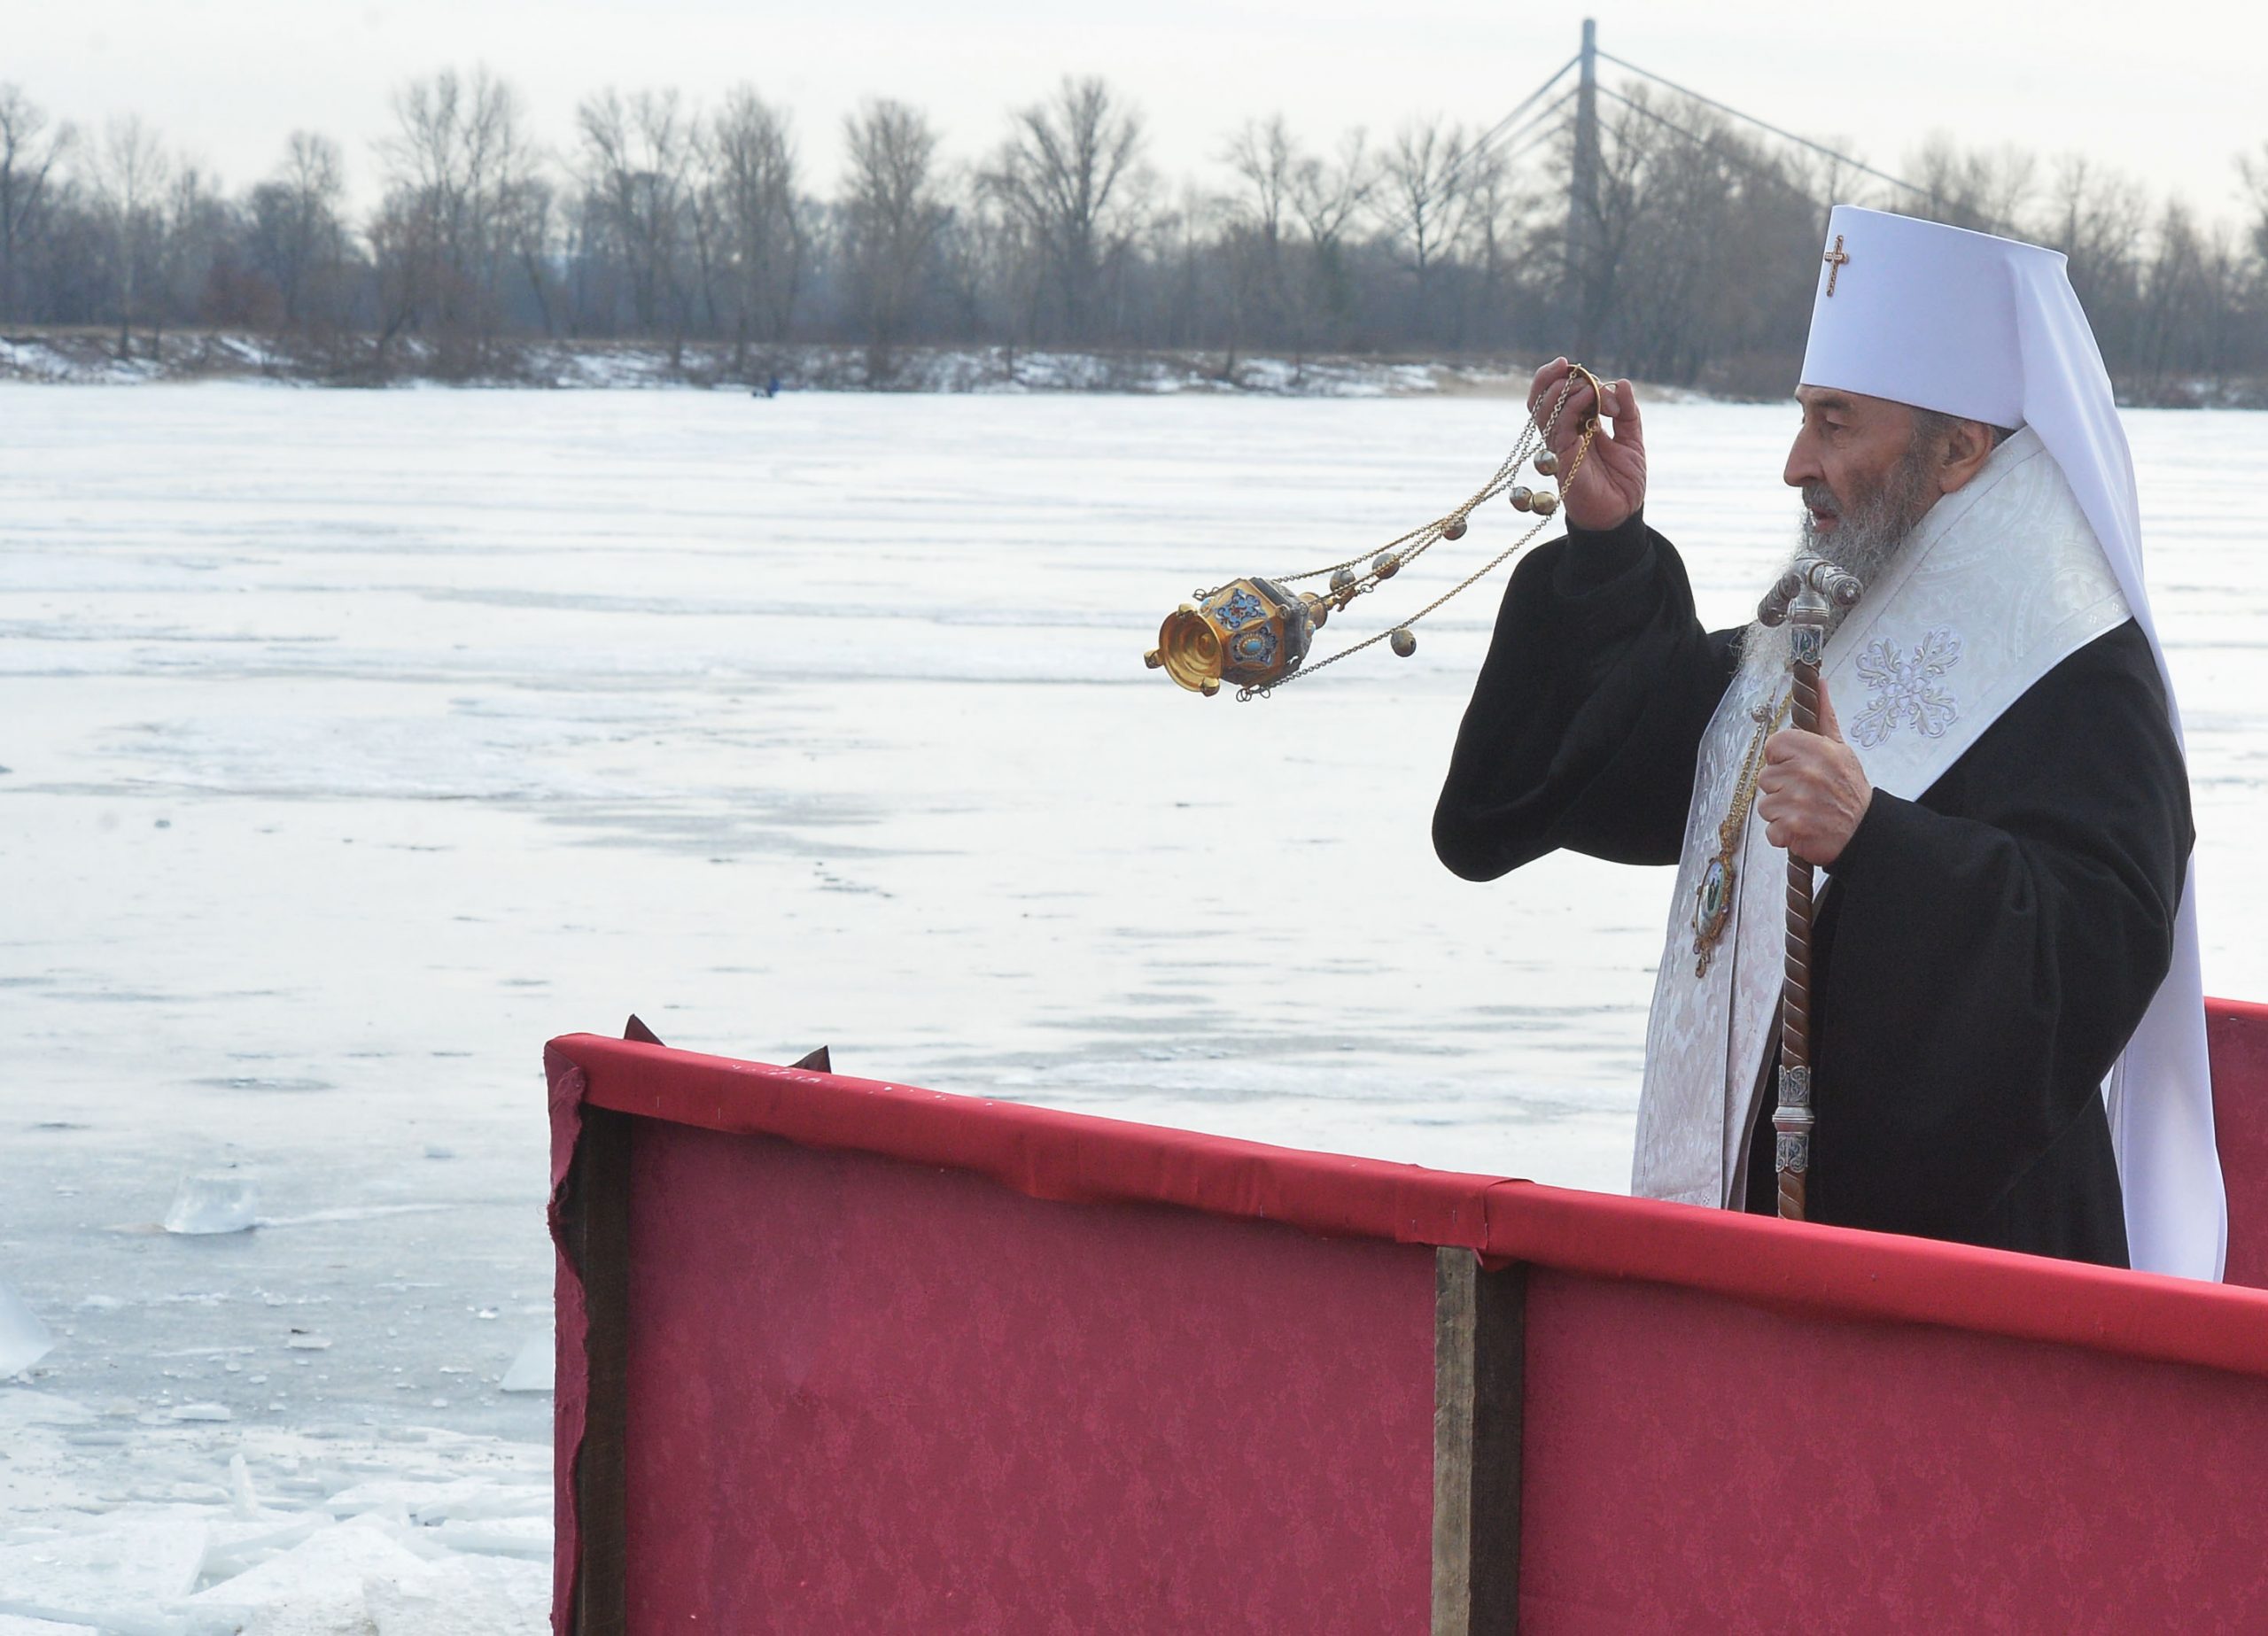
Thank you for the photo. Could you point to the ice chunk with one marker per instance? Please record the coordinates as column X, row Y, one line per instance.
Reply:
column 531, row 1369
column 521, row 1536
column 202, row 1411
column 466, row 1596
column 215, row 1201
column 21, row 1406
column 238, row 1548
column 16, row 1624
column 315, row 1588
column 114, row 1566
column 23, row 1339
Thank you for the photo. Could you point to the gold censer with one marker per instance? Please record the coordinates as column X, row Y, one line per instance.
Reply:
column 1254, row 634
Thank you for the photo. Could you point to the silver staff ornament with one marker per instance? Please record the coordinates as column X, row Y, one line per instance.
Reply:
column 1254, row 633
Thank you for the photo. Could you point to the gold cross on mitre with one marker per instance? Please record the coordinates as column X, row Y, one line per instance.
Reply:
column 1834, row 259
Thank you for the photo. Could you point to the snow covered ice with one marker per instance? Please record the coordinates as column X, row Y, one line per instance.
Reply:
column 360, row 741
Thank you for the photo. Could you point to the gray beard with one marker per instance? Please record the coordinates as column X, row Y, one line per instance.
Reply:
column 1866, row 539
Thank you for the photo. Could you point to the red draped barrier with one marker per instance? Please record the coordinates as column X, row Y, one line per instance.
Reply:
column 863, row 1356
column 2236, row 1033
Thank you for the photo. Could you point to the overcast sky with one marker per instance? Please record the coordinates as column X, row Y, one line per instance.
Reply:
column 226, row 80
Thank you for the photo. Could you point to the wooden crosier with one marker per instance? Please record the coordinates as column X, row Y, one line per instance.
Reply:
column 1805, row 600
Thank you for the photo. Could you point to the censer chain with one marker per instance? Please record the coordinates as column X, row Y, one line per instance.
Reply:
column 1530, row 439
column 1511, row 468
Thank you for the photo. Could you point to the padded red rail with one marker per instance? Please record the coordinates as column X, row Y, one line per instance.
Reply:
column 1792, row 1266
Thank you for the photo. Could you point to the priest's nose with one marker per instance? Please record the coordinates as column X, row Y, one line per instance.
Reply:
column 1803, row 460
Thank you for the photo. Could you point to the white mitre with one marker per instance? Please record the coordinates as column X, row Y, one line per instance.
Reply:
column 1989, row 329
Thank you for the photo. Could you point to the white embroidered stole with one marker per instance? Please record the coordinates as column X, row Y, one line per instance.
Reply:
column 2002, row 581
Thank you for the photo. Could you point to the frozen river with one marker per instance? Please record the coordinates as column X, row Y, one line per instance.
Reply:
column 356, row 743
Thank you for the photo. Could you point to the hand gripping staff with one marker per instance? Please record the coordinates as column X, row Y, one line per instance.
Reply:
column 1805, row 599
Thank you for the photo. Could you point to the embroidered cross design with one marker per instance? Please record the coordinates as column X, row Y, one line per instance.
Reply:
column 1905, row 689
column 1836, row 261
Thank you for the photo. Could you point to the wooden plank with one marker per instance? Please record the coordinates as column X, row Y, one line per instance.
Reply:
column 1479, row 1368
column 600, row 1200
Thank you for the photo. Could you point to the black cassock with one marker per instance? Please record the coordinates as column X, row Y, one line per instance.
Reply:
column 1984, row 951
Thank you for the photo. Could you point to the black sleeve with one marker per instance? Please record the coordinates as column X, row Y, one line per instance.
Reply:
column 1993, row 946
column 1588, row 712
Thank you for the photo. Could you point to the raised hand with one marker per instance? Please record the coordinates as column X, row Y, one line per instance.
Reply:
column 1612, row 482
column 1812, row 792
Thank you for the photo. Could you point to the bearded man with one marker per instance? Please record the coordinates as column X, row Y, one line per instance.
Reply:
column 2007, row 1028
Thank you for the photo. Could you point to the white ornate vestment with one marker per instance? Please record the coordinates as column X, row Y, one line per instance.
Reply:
column 2000, row 582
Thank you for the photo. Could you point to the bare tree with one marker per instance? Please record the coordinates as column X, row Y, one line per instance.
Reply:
column 527, row 209
column 1266, row 161
column 457, row 159
column 1419, row 201
column 2189, row 286
column 994, row 269
column 2098, row 219
column 891, row 218
column 637, row 154
column 2252, row 170
column 753, row 171
column 1070, row 170
column 1974, row 188
column 30, row 149
column 195, row 226
column 300, row 234
column 1328, row 197
column 130, row 177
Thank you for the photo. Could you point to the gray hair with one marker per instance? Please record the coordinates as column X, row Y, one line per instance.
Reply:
column 1931, row 427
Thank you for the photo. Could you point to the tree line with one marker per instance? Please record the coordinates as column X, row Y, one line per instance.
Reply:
column 1688, row 258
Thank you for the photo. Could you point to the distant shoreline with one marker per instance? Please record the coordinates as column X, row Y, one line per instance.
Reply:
column 90, row 357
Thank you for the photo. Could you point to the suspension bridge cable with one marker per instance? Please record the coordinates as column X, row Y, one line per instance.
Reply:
column 1698, row 140
column 1819, row 148
column 1522, row 106
column 1506, row 148
column 1536, row 140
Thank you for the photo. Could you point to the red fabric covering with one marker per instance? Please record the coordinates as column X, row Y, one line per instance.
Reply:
column 2237, row 1033
column 1143, row 1411
column 1073, row 1156
column 869, row 1396
column 1037, row 1151
column 1834, row 1272
column 1696, row 1464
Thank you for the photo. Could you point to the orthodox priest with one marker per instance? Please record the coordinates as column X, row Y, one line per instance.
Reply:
column 2008, row 1026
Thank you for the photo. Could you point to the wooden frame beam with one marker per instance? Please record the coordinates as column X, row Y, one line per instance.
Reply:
column 598, row 1201
column 1480, row 1368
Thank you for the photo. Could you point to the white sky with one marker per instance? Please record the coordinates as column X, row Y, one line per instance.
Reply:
column 226, row 80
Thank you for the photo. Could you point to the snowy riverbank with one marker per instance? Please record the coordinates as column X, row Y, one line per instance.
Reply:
column 90, row 357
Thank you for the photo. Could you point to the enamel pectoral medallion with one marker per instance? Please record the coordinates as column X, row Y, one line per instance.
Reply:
column 1712, row 906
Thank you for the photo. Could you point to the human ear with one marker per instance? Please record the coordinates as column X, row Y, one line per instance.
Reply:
column 1968, row 446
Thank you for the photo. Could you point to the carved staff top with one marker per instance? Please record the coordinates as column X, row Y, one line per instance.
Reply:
column 1806, row 594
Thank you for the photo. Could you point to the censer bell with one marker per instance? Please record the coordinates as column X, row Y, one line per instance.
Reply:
column 1251, row 633
column 1254, row 634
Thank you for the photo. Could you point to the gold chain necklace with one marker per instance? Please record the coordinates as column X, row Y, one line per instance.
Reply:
column 1713, row 899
